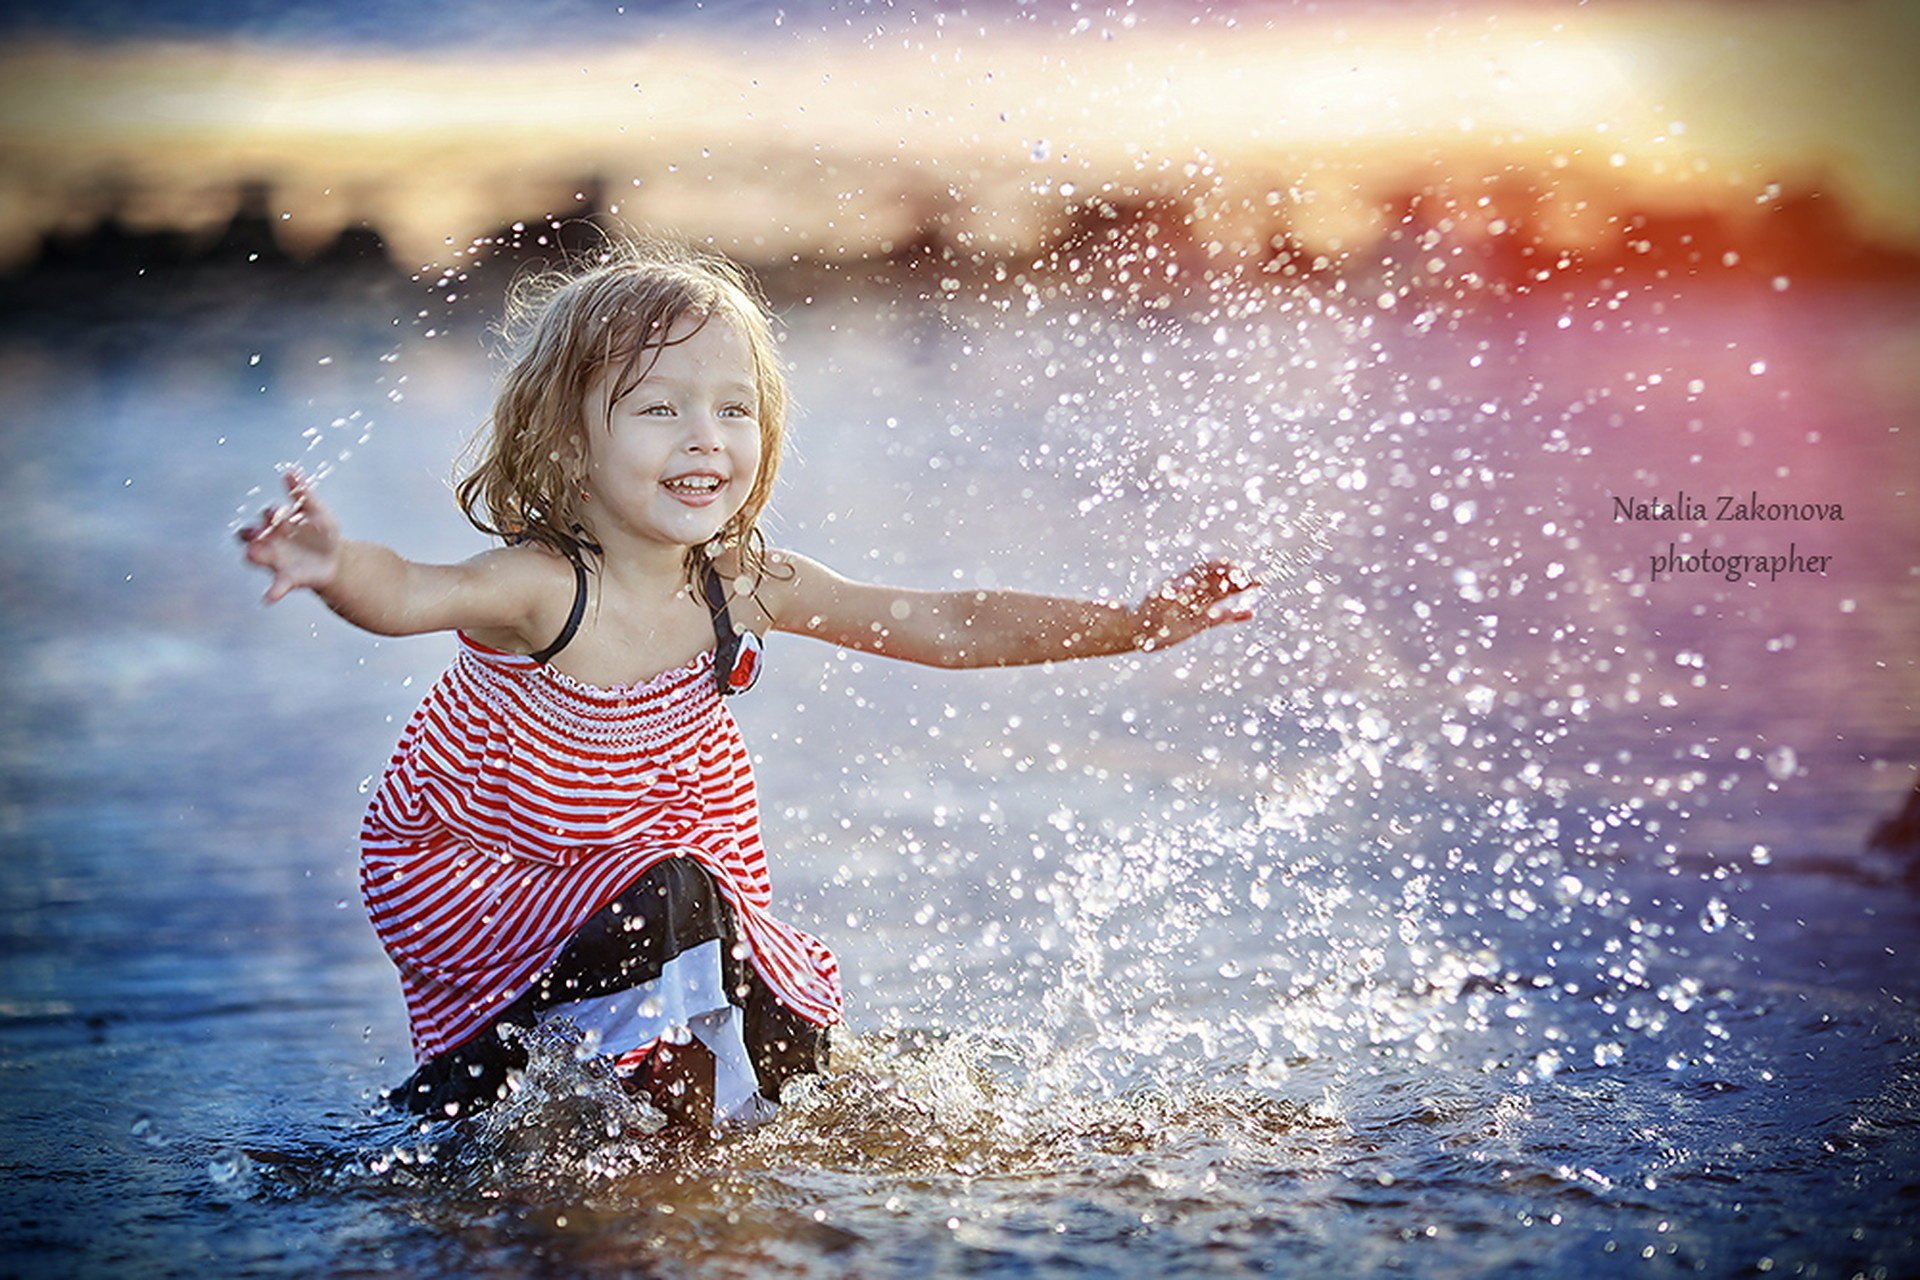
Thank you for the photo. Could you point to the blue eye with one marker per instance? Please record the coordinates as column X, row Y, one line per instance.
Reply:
column 738, row 410
column 655, row 410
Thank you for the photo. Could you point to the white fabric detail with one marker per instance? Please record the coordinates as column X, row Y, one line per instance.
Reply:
column 736, row 1090
column 689, row 984
column 688, row 998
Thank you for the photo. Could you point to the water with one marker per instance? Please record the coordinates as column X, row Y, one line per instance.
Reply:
column 1417, row 927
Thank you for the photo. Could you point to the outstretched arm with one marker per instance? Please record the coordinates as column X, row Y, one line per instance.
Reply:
column 997, row 628
column 370, row 586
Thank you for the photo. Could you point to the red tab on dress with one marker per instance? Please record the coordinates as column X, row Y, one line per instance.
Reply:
column 746, row 664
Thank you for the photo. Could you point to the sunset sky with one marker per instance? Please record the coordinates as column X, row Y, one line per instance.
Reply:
column 827, row 128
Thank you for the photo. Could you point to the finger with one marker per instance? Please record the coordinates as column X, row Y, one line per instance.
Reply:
column 1237, row 592
column 299, row 494
column 271, row 518
column 1210, row 577
column 1214, row 594
column 1195, row 581
column 1233, row 602
column 1230, row 576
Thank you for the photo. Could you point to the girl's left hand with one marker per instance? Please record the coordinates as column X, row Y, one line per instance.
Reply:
column 1206, row 595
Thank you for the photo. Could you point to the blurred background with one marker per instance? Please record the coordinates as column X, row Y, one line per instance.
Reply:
column 1490, row 902
column 1612, row 140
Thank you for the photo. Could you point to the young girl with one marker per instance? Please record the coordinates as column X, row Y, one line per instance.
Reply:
column 568, row 826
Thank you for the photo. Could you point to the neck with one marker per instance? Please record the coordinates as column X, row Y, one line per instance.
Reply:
column 642, row 566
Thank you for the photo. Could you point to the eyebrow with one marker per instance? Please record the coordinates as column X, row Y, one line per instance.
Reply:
column 676, row 384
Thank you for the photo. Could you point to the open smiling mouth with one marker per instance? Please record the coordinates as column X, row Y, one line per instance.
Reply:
column 699, row 486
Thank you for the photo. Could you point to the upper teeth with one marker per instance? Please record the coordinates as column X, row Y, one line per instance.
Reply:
column 695, row 482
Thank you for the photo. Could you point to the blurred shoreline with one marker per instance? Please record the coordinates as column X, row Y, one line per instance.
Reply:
column 1138, row 249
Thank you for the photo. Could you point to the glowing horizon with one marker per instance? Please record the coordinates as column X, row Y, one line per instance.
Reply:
column 806, row 142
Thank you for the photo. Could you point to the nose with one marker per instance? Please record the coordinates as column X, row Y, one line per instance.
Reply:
column 703, row 434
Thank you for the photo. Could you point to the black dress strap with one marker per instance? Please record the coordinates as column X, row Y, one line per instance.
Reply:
column 578, row 612
column 736, row 654
column 716, row 593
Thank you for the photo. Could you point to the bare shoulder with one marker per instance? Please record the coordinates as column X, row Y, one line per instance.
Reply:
column 764, row 591
column 524, row 570
column 531, row 589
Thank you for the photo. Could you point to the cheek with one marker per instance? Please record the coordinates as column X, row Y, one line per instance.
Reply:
column 634, row 451
column 749, row 452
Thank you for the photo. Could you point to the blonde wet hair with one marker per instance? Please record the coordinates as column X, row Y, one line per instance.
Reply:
column 521, row 479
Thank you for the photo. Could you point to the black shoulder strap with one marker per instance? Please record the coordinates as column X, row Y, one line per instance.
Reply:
column 736, row 654
column 578, row 612
column 716, row 593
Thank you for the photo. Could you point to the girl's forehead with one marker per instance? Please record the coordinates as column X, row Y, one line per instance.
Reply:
column 706, row 338
column 706, row 346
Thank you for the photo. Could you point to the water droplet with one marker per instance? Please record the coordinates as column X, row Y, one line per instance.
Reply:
column 1782, row 763
column 224, row 1169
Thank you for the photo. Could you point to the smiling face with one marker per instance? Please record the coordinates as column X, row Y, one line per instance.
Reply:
column 670, row 462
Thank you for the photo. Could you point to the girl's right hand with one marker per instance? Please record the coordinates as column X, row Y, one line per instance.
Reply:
column 299, row 541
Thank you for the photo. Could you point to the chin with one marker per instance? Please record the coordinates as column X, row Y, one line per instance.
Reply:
column 690, row 538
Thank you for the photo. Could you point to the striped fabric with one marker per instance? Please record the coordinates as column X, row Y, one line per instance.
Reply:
column 520, row 802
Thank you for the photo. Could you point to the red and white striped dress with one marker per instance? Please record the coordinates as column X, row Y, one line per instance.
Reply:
column 519, row 802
